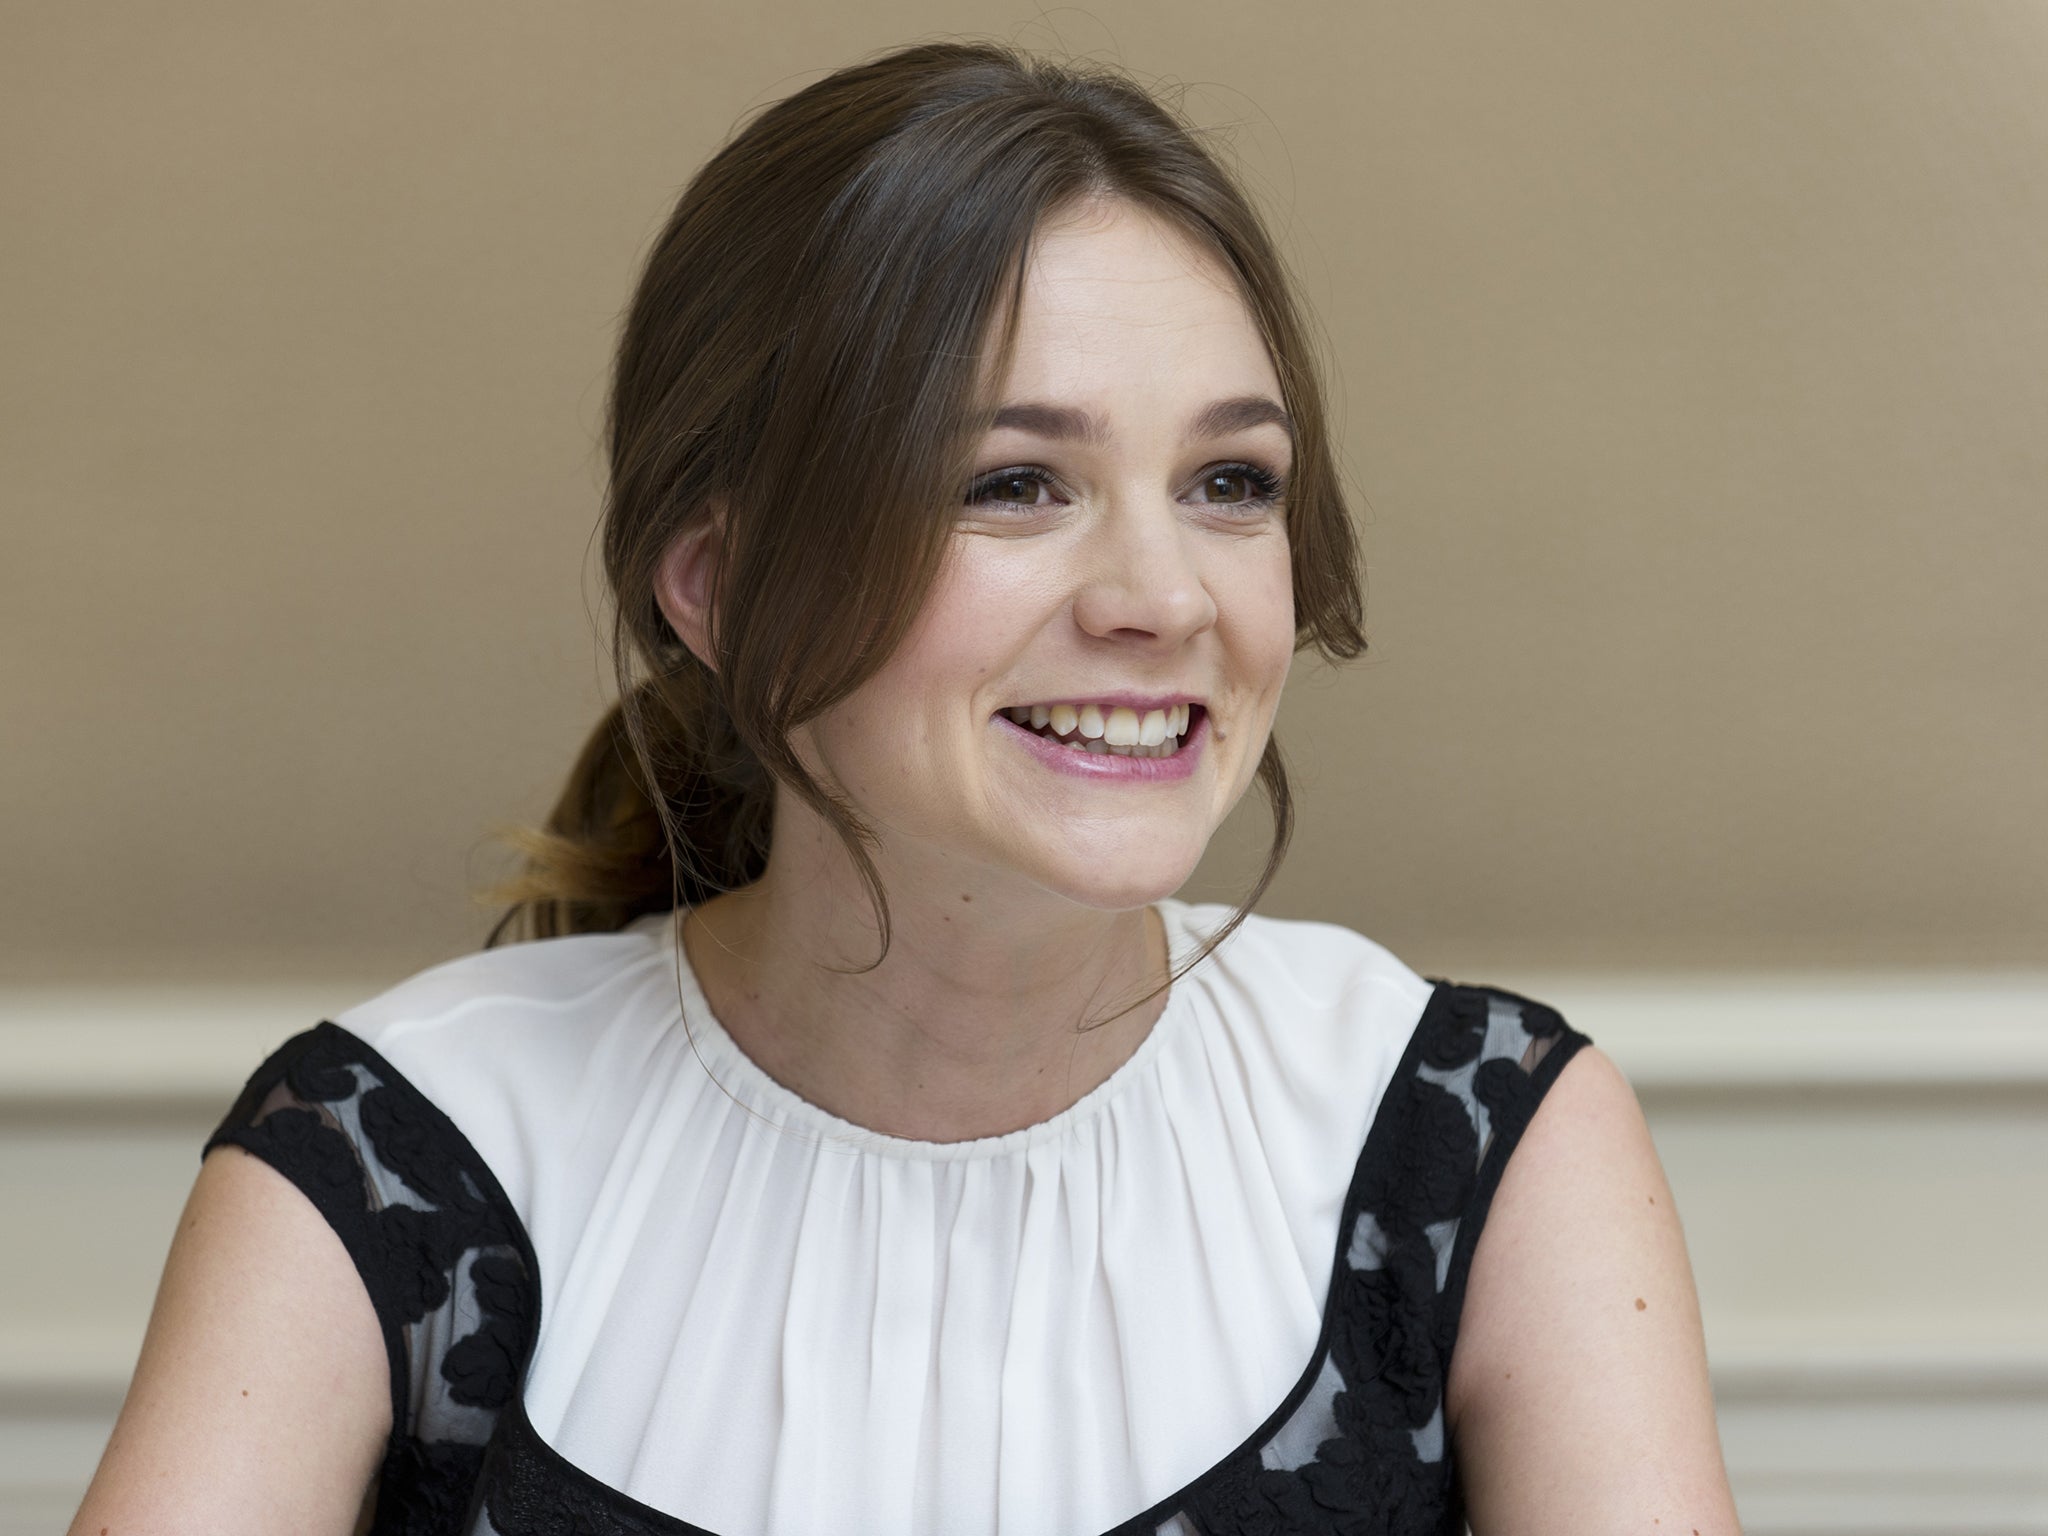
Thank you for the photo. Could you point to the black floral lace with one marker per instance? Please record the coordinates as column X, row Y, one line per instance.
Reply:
column 1358, row 1447
column 444, row 1257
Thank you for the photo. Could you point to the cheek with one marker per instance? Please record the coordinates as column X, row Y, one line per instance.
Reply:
column 992, row 599
column 1264, row 618
column 949, row 635
column 894, row 729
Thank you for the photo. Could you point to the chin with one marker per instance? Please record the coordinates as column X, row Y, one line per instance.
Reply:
column 1121, row 890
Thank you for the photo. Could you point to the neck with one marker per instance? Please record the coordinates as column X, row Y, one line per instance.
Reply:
column 995, row 1007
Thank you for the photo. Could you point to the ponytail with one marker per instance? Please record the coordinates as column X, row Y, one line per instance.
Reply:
column 665, row 806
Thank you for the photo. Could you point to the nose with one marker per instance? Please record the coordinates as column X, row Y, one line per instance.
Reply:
column 1140, row 580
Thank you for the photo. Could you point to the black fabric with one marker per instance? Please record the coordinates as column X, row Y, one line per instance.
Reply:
column 442, row 1253
column 1358, row 1447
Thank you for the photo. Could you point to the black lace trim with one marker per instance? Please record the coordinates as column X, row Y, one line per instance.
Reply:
column 1357, row 1447
column 529, row 1488
column 444, row 1258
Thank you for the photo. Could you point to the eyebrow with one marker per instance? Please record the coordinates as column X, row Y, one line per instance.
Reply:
column 1236, row 414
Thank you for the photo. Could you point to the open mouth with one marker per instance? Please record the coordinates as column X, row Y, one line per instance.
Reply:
column 1118, row 731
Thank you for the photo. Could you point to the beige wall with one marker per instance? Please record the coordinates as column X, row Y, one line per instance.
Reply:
column 1693, row 371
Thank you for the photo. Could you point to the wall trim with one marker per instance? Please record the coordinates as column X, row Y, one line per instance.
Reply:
column 174, row 1048
column 1818, row 1030
column 182, row 1047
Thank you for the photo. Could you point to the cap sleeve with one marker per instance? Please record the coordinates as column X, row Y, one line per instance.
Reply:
column 443, row 1255
column 1494, row 1055
column 1364, row 1433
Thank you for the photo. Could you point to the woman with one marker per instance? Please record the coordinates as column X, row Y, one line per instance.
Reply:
column 868, row 1141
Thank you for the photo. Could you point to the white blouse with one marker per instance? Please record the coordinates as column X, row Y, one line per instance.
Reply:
column 757, row 1317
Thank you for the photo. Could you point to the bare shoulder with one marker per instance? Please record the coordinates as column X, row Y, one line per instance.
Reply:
column 261, row 1401
column 1578, row 1395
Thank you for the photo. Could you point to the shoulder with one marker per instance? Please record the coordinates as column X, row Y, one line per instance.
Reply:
column 1579, row 1391
column 560, row 978
column 512, row 1044
column 1583, row 1188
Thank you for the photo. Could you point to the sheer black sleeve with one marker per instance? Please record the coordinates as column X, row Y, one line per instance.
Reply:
column 445, row 1259
column 1360, row 1445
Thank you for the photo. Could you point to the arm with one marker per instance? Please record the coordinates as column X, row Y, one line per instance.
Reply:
column 1578, row 1395
column 261, row 1402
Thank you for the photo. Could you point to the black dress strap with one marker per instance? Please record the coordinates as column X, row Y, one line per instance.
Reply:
column 444, row 1257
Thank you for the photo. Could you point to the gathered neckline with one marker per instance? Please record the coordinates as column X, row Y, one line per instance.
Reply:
column 755, row 1091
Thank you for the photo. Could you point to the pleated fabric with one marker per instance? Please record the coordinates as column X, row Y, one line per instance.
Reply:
column 759, row 1318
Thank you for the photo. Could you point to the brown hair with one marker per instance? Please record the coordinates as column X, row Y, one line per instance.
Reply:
column 815, row 316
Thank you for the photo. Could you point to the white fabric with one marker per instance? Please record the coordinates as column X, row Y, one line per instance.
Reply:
column 757, row 1317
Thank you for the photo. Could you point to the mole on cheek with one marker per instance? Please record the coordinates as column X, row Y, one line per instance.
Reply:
column 1641, row 1304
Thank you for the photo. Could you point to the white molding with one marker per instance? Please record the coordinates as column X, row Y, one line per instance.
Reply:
column 188, row 1048
column 1817, row 1030
column 41, row 1364
column 1761, row 1368
column 176, row 1047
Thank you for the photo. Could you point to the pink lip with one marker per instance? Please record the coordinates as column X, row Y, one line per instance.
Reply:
column 1108, row 767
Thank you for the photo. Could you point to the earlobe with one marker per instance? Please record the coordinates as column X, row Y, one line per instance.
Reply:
column 685, row 582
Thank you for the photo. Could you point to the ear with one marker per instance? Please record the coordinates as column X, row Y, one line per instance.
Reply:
column 685, row 580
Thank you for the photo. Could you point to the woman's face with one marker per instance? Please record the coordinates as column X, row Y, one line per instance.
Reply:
column 1120, row 561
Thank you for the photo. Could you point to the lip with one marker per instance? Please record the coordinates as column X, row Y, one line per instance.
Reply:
column 1108, row 767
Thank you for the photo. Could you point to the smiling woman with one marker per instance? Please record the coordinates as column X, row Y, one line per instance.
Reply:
column 954, row 296
column 866, row 1139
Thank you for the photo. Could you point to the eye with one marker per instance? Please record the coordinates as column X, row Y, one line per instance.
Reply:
column 1241, row 485
column 1014, row 488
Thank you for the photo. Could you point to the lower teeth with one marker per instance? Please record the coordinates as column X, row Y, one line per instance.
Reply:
column 1098, row 746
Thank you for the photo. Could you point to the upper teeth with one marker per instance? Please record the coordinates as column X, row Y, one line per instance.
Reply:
column 1119, row 726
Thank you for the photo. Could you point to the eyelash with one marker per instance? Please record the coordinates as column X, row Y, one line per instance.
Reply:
column 1267, row 488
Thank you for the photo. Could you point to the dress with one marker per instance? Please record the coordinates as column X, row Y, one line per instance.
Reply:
column 630, row 1284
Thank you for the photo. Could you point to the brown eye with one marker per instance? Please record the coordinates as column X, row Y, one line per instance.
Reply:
column 1008, row 488
column 1243, row 485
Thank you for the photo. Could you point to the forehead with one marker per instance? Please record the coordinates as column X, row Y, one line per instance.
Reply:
column 1119, row 306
